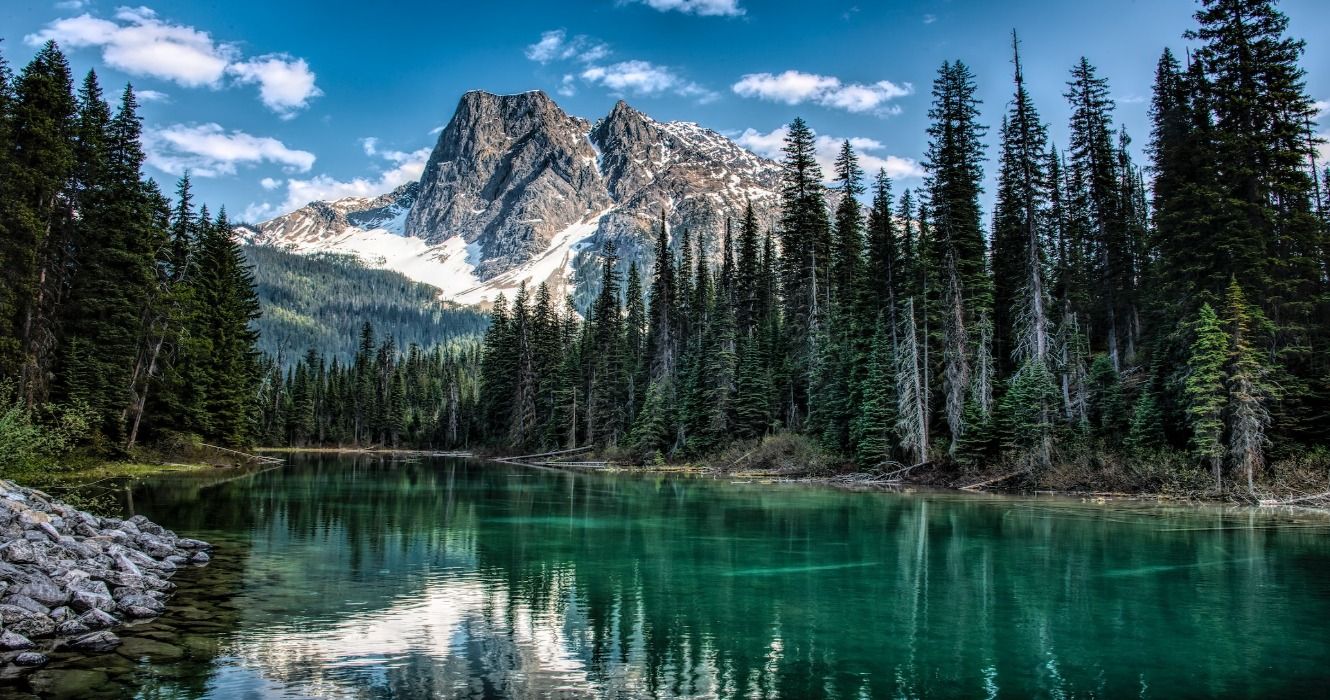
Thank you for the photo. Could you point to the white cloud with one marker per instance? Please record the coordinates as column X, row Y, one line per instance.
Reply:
column 1320, row 107
column 152, row 96
column 929, row 19
column 704, row 8
column 140, row 43
column 208, row 150
column 796, row 87
column 438, row 129
column 286, row 84
column 269, row 183
column 555, row 45
column 568, row 86
column 646, row 79
column 826, row 148
column 71, row 4
column 632, row 77
column 407, row 166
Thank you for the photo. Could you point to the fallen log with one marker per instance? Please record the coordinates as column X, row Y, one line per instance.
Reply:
column 1291, row 501
column 546, row 454
column 982, row 484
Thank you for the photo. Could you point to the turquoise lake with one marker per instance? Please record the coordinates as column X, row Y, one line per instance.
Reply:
column 373, row 577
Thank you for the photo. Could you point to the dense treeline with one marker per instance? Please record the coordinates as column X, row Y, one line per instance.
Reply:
column 381, row 397
column 320, row 301
column 1107, row 309
column 132, row 311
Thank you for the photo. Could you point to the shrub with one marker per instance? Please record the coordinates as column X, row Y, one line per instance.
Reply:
column 37, row 439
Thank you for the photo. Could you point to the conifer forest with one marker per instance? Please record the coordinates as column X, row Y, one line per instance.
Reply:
column 1106, row 310
column 1104, row 307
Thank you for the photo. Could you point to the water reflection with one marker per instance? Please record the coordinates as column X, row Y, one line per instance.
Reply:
column 372, row 578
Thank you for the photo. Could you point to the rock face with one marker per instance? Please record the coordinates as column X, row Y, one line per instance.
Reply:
column 508, row 173
column 71, row 574
column 518, row 190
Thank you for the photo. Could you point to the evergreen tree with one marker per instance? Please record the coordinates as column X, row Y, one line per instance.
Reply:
column 36, row 217
column 1204, row 389
column 874, row 428
column 1248, row 390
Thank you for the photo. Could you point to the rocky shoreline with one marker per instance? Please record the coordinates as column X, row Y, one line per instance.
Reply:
column 68, row 578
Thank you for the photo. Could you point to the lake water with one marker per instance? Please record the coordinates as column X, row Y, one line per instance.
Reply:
column 368, row 577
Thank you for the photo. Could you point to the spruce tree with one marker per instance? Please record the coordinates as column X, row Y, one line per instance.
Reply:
column 36, row 218
column 1204, row 389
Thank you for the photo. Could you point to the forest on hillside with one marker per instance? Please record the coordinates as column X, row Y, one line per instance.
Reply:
column 1107, row 312
column 321, row 301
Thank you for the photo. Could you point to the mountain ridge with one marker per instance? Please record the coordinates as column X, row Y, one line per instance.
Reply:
column 516, row 189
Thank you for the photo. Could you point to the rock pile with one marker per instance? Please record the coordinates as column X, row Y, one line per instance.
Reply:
column 71, row 575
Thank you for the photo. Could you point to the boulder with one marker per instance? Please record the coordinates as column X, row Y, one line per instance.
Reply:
column 97, row 619
column 31, row 658
column 18, row 552
column 61, row 614
column 200, row 557
column 25, row 603
column 71, row 628
column 101, row 640
column 11, row 641
column 32, row 625
column 47, row 592
column 139, row 600
column 85, row 601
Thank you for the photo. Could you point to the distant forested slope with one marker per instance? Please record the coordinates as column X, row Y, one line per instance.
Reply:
column 320, row 301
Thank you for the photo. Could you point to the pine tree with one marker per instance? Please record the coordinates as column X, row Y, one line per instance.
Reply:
column 1094, row 166
column 1147, row 421
column 1021, row 306
column 1268, row 231
column 955, row 176
column 1248, row 389
column 805, row 233
column 1204, row 389
column 876, row 422
column 36, row 217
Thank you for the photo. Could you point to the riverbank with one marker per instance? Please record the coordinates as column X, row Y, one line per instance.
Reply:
column 68, row 577
column 1077, row 470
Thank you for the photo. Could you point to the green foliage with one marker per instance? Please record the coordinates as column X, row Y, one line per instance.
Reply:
column 1204, row 388
column 1147, row 424
column 33, row 440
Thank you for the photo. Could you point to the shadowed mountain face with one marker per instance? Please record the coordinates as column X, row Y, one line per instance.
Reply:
column 518, row 190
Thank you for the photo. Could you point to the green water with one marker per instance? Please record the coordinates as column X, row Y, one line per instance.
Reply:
column 367, row 578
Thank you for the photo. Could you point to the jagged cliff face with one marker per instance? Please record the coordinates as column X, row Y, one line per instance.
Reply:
column 518, row 190
column 508, row 173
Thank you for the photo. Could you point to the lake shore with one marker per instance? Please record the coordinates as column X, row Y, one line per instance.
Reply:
column 766, row 469
column 70, row 577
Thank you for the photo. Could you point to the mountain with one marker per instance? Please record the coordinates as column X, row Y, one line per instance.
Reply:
column 518, row 190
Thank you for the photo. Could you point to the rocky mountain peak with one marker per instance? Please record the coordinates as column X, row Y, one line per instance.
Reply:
column 516, row 189
column 507, row 174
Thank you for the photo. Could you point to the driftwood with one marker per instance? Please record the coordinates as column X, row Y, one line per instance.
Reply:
column 1291, row 501
column 546, row 454
column 903, row 470
column 982, row 484
column 246, row 455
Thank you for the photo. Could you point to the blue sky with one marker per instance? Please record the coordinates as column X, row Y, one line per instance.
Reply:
column 271, row 104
